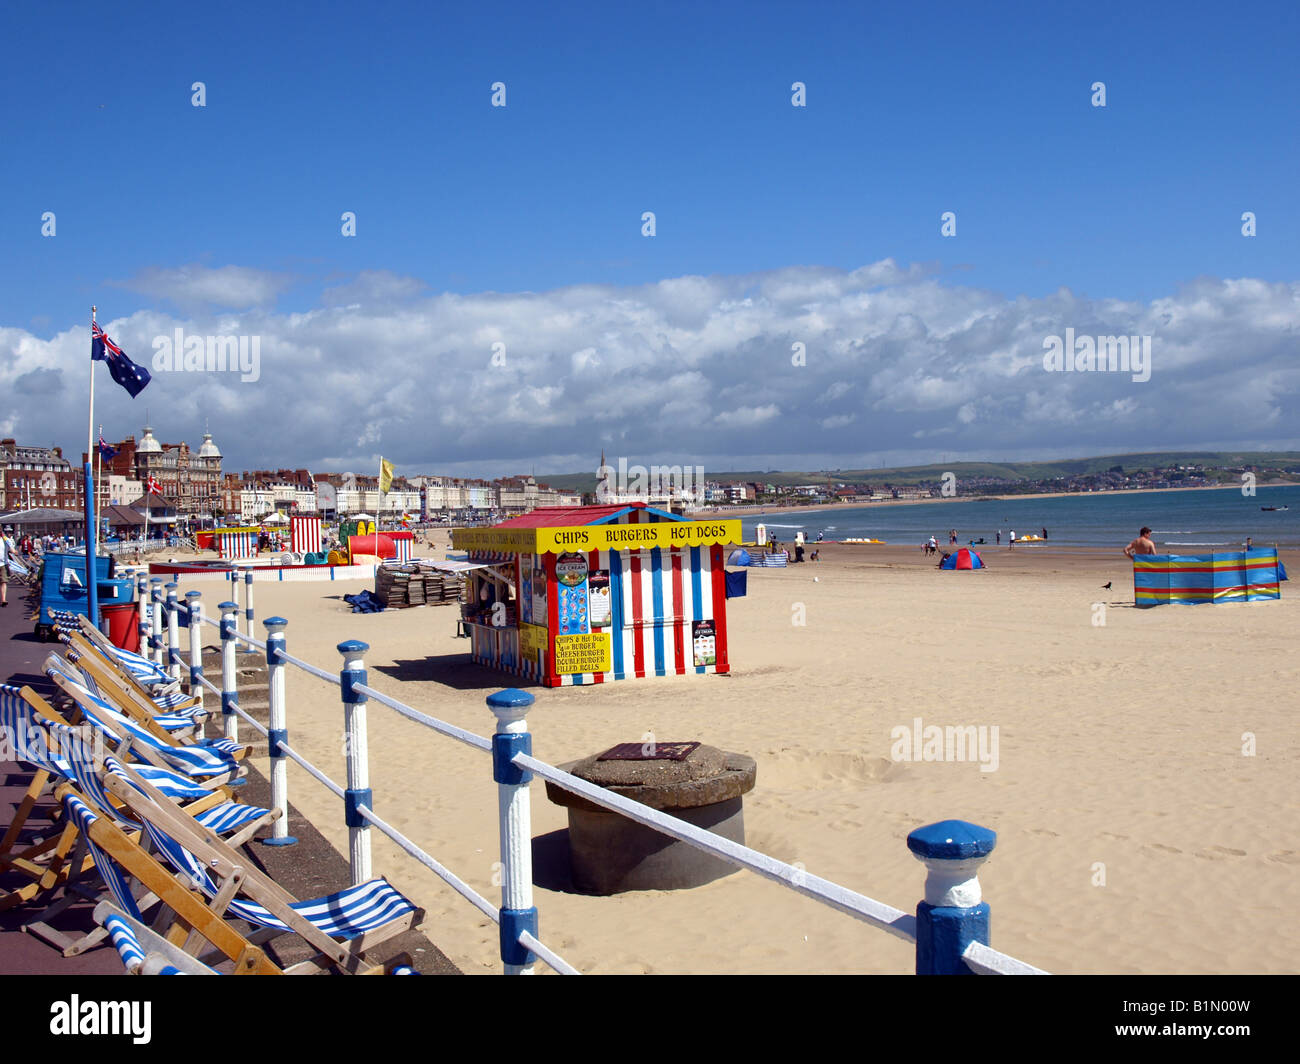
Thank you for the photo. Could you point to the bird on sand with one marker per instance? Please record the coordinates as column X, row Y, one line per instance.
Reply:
column 1106, row 585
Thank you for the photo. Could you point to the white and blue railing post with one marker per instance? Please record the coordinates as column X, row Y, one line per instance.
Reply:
column 173, row 633
column 517, row 913
column 358, row 793
column 229, row 692
column 194, row 617
column 952, row 916
column 155, row 618
column 142, row 611
column 248, row 605
column 277, row 731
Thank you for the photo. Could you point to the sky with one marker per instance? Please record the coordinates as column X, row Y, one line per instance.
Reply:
column 503, row 307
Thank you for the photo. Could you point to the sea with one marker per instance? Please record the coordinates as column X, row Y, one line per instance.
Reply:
column 1183, row 521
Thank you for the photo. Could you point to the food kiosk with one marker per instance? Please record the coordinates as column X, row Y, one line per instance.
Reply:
column 586, row 594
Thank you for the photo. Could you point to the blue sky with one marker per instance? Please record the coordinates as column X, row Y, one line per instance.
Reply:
column 681, row 109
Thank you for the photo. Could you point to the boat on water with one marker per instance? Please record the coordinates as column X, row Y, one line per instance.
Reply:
column 1030, row 539
column 1270, row 509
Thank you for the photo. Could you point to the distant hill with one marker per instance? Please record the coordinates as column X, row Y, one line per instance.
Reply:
column 1026, row 471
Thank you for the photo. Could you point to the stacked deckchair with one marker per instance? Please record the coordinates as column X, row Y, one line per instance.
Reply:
column 127, row 821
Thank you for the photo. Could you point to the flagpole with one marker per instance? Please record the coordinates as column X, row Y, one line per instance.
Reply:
column 99, row 480
column 92, row 538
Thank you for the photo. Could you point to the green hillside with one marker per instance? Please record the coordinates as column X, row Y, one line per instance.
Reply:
column 1026, row 471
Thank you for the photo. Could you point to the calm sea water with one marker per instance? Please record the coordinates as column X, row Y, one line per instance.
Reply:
column 1178, row 519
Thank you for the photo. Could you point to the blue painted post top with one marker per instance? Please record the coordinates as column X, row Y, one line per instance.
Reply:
column 510, row 698
column 275, row 623
column 952, row 840
column 226, row 607
column 353, row 647
column 192, row 595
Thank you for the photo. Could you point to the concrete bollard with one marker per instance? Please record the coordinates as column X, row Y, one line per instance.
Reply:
column 229, row 691
column 952, row 916
column 358, row 792
column 277, row 731
column 517, row 911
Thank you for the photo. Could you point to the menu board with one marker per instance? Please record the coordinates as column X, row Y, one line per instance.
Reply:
column 599, row 603
column 538, row 612
column 705, row 643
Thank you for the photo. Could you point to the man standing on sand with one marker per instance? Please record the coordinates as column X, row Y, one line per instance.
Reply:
column 1141, row 545
column 1011, row 539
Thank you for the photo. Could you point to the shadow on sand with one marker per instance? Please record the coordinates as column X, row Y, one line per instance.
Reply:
column 453, row 670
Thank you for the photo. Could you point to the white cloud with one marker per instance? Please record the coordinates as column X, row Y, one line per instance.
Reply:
column 691, row 369
column 238, row 287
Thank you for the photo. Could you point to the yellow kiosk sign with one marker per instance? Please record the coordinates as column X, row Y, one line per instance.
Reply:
column 582, row 653
column 597, row 537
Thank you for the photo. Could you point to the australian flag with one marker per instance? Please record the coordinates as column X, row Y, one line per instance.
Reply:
column 105, row 451
column 130, row 376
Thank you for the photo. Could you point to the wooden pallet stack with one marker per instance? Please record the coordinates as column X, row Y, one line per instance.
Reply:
column 399, row 587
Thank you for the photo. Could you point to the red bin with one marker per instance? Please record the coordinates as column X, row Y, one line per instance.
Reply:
column 123, row 626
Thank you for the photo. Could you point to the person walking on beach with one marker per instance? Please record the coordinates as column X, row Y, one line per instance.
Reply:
column 1011, row 539
column 1141, row 545
column 999, row 537
column 952, row 537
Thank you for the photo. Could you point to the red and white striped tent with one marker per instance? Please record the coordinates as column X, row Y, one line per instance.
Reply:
column 581, row 595
column 304, row 534
column 236, row 543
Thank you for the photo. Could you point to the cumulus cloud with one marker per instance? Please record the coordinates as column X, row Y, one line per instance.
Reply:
column 899, row 366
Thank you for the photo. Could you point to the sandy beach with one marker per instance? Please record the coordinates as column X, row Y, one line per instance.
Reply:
column 1133, row 834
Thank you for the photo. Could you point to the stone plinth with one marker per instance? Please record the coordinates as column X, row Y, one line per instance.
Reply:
column 611, row 854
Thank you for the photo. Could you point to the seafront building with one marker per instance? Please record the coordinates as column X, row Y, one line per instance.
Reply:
column 34, row 477
column 190, row 480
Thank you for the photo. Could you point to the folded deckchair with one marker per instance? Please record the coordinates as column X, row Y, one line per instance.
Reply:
column 217, row 758
column 164, row 725
column 148, row 679
column 142, row 951
column 104, row 678
column 59, row 751
column 119, row 859
column 341, row 926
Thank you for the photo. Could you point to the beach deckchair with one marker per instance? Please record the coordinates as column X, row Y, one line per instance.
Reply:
column 163, row 724
column 119, row 859
column 144, row 952
column 341, row 926
column 103, row 678
column 217, row 760
column 57, row 750
column 150, row 680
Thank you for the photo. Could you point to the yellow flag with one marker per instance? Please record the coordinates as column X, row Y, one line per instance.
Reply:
column 385, row 476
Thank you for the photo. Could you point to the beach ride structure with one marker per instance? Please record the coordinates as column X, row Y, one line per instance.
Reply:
column 585, row 594
column 1223, row 576
column 950, row 928
column 965, row 558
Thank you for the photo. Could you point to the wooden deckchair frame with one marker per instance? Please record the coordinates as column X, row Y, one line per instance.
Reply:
column 91, row 637
column 128, row 698
column 233, row 873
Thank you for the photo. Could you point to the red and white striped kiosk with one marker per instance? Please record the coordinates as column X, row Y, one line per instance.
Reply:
column 582, row 595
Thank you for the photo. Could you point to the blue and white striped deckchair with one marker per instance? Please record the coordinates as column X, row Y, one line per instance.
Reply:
column 369, row 912
column 143, row 951
column 71, row 670
column 85, row 773
column 213, row 759
column 118, row 859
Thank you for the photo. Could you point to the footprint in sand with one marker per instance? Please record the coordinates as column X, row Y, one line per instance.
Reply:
column 1285, row 856
column 1044, row 831
column 1218, row 853
column 1162, row 848
column 1112, row 836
